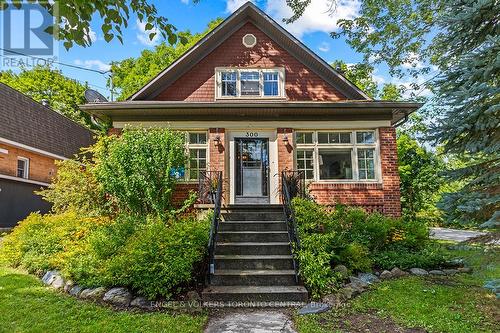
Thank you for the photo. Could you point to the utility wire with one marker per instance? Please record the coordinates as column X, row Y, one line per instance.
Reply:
column 57, row 62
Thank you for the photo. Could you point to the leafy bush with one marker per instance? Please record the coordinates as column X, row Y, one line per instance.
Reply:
column 36, row 241
column 76, row 189
column 358, row 240
column 148, row 255
column 135, row 168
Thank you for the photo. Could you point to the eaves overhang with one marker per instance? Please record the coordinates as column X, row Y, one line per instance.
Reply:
column 207, row 111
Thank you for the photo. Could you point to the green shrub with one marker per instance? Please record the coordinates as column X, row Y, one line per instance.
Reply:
column 428, row 257
column 36, row 242
column 356, row 256
column 135, row 168
column 315, row 271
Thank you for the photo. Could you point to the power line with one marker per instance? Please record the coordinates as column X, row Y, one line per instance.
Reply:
column 57, row 62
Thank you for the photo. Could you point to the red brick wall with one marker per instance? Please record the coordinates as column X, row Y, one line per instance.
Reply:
column 384, row 197
column 217, row 157
column 181, row 192
column 198, row 84
column 41, row 168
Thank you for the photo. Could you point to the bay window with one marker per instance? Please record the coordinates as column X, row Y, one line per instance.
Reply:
column 335, row 156
column 250, row 82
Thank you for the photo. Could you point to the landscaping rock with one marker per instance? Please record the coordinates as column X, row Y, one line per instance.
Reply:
column 193, row 296
column 368, row 278
column 493, row 285
column 436, row 272
column 450, row 271
column 68, row 285
column 58, row 282
column 418, row 271
column 344, row 272
column 93, row 293
column 385, row 275
column 75, row 291
column 464, row 270
column 49, row 277
column 142, row 303
column 396, row 272
column 346, row 293
column 457, row 262
column 333, row 300
column 313, row 308
column 118, row 296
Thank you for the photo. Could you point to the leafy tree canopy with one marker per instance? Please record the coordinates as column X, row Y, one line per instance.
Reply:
column 43, row 83
column 72, row 19
column 130, row 74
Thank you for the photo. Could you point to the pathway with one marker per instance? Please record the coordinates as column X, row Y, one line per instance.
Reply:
column 454, row 234
column 251, row 321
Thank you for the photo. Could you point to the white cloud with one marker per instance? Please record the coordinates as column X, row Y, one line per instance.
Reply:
column 93, row 64
column 232, row 5
column 324, row 47
column 318, row 16
column 143, row 34
column 413, row 61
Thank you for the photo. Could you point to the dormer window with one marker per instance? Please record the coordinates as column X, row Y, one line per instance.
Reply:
column 250, row 83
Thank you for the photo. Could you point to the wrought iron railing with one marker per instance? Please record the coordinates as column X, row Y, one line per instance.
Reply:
column 292, row 185
column 212, row 194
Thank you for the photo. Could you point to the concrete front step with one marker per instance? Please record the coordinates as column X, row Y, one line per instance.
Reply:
column 235, row 277
column 254, row 294
column 251, row 262
column 252, row 236
column 257, row 215
column 252, row 226
column 252, row 248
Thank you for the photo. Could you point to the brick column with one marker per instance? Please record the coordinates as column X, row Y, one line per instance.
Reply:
column 285, row 151
column 217, row 157
column 390, row 174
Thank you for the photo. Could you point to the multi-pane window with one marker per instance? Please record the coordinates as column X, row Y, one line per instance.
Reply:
column 271, row 84
column 228, row 83
column 366, row 163
column 333, row 155
column 197, row 147
column 248, row 83
column 23, row 167
column 305, row 162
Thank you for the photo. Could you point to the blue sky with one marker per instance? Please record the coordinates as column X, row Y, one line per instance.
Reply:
column 312, row 28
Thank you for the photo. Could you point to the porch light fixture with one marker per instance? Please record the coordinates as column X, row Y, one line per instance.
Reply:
column 285, row 139
column 217, row 140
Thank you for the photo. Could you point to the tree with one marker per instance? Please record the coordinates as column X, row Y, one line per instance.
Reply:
column 419, row 172
column 461, row 38
column 43, row 83
column 130, row 74
column 72, row 19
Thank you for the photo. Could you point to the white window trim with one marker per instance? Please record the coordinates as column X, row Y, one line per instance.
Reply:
column 238, row 70
column 26, row 173
column 354, row 146
column 189, row 146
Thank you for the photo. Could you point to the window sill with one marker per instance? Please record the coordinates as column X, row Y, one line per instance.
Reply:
column 251, row 98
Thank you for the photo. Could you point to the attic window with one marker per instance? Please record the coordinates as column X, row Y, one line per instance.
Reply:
column 249, row 40
column 250, row 82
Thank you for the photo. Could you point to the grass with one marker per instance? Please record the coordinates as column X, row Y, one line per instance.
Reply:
column 436, row 304
column 28, row 306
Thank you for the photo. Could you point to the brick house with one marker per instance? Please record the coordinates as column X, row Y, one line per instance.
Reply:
column 32, row 138
column 255, row 101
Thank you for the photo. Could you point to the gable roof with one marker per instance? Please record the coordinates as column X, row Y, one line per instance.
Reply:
column 27, row 122
column 249, row 13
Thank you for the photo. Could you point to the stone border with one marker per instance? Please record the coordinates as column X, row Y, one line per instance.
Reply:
column 118, row 297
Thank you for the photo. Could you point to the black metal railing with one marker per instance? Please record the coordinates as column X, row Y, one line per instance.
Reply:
column 214, row 195
column 292, row 185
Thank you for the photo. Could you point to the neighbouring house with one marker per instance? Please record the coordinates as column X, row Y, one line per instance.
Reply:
column 32, row 138
column 256, row 101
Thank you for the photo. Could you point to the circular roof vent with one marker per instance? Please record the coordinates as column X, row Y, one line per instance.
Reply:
column 249, row 40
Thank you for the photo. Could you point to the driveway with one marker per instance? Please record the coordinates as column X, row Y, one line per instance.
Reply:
column 453, row 234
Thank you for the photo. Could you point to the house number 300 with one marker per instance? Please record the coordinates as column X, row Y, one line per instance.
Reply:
column 252, row 134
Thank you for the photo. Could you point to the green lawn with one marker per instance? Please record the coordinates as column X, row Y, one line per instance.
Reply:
column 446, row 304
column 27, row 306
